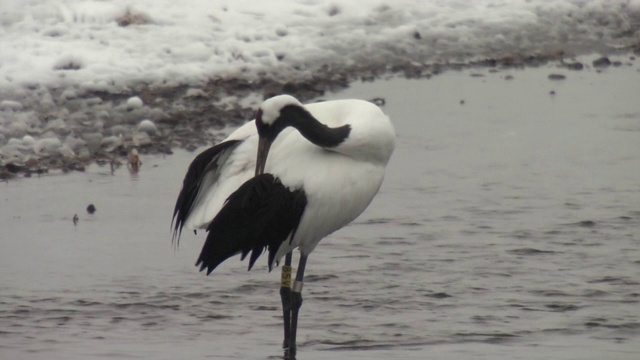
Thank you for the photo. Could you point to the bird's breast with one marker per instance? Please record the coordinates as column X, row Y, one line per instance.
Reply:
column 338, row 189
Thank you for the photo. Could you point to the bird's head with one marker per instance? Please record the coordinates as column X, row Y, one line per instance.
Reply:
column 273, row 116
column 279, row 112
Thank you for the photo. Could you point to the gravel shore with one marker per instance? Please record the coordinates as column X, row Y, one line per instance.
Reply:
column 61, row 130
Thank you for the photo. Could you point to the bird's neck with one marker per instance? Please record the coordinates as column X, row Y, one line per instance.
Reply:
column 313, row 130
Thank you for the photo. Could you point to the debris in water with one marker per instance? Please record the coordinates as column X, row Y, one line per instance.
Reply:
column 134, row 161
column 556, row 77
column 378, row 101
column 587, row 223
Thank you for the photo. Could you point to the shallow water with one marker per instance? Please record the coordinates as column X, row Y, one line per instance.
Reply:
column 508, row 227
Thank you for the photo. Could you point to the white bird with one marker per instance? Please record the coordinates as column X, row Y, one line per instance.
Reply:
column 318, row 166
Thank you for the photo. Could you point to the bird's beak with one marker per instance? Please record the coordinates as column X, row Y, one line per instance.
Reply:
column 264, row 145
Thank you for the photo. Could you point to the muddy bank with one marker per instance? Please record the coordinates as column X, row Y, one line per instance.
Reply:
column 64, row 129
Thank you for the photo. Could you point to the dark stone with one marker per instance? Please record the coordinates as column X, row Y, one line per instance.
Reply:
column 602, row 62
column 91, row 209
column 575, row 66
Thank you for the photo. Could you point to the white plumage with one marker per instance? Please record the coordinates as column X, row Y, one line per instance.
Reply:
column 285, row 180
column 340, row 182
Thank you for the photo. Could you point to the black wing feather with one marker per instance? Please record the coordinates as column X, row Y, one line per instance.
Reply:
column 206, row 161
column 260, row 215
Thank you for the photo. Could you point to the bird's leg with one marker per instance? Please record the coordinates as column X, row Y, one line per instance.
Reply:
column 285, row 295
column 296, row 303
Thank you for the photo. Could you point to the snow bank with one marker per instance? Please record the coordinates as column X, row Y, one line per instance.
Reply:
column 100, row 44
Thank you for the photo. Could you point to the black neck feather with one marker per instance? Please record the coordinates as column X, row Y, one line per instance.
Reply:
column 312, row 129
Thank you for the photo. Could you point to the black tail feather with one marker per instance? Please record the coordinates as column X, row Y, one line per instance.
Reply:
column 209, row 160
column 260, row 215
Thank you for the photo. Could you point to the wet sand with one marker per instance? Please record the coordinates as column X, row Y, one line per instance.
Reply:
column 507, row 228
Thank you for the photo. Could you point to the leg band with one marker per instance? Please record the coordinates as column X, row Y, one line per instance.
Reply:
column 297, row 286
column 285, row 279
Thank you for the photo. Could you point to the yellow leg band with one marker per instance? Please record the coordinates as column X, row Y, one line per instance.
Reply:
column 285, row 278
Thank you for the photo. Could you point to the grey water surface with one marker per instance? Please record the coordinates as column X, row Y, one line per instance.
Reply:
column 508, row 227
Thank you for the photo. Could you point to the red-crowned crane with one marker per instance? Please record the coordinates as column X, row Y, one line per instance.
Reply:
column 294, row 175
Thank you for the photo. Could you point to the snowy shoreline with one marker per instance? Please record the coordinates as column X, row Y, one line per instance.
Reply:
column 104, row 128
column 88, row 81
